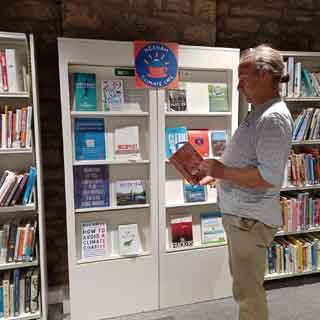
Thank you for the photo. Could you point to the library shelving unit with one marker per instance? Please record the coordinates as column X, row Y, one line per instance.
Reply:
column 18, row 159
column 199, row 272
column 297, row 102
column 114, row 284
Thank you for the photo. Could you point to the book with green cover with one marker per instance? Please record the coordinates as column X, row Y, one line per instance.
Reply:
column 218, row 97
column 85, row 92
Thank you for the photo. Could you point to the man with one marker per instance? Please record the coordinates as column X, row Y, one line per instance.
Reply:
column 250, row 176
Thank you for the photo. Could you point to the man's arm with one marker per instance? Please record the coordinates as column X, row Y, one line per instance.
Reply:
column 244, row 177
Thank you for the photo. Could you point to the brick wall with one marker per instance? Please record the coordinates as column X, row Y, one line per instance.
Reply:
column 288, row 24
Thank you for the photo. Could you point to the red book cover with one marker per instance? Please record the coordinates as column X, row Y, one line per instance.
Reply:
column 181, row 231
column 200, row 140
column 187, row 161
column 3, row 65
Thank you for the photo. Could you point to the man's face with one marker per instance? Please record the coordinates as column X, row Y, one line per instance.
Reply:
column 249, row 80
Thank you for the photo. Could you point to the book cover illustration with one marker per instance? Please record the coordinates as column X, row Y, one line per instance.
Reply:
column 90, row 139
column 181, row 231
column 187, row 161
column 177, row 100
column 212, row 230
column 175, row 138
column 85, row 93
column 112, row 95
column 130, row 192
column 128, row 239
column 218, row 142
column 93, row 239
column 194, row 193
column 126, row 143
column 218, row 97
column 91, row 186
column 200, row 140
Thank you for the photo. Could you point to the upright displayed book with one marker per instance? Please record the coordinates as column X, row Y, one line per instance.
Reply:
column 126, row 143
column 181, row 231
column 175, row 138
column 23, row 285
column 177, row 100
column 85, row 91
column 130, row 192
column 212, row 231
column 200, row 140
column 89, row 139
column 128, row 239
column 218, row 97
column 112, row 95
column 218, row 142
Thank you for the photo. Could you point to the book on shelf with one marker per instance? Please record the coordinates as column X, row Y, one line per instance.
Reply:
column 91, row 186
column 175, row 138
column 187, row 161
column 84, row 91
column 90, row 142
column 218, row 97
column 218, row 142
column 181, row 231
column 200, row 140
column 112, row 95
column 193, row 193
column 177, row 100
column 93, row 239
column 126, row 143
column 212, row 231
column 129, row 241
column 130, row 192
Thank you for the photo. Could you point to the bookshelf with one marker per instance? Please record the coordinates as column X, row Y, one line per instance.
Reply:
column 22, row 91
column 120, row 276
column 206, row 264
column 297, row 101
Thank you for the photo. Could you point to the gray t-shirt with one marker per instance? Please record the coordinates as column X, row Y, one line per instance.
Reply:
column 263, row 140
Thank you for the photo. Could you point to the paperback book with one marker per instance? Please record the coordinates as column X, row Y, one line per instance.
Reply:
column 194, row 193
column 177, row 100
column 200, row 140
column 128, row 239
column 181, row 231
column 93, row 239
column 126, row 143
column 130, row 192
column 89, row 139
column 112, row 95
column 85, row 93
column 212, row 230
column 175, row 138
column 91, row 186
column 218, row 97
column 187, row 161
column 218, row 142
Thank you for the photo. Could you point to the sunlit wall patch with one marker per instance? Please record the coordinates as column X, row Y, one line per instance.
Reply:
column 156, row 64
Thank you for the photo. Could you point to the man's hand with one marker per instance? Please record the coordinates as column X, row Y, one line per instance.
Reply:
column 210, row 169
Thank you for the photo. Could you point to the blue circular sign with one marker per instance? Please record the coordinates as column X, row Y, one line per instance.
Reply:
column 156, row 65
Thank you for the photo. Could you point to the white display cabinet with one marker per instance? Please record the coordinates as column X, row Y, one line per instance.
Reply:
column 115, row 284
column 20, row 93
column 200, row 272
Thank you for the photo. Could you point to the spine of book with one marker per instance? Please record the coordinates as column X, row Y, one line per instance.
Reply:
column 4, row 131
column 6, row 294
column 11, row 242
column 27, row 291
column 21, row 186
column 11, row 293
column 3, row 66
column 28, row 128
column 34, row 291
column 29, row 186
column 13, row 191
column 1, row 296
column 22, row 293
column 16, row 282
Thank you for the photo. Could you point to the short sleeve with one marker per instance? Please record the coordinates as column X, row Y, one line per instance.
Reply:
column 273, row 142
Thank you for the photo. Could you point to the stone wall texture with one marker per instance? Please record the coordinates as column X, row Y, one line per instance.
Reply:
column 287, row 24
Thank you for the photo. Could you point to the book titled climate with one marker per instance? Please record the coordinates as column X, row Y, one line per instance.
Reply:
column 181, row 231
column 212, row 231
column 93, row 239
column 218, row 97
column 91, row 186
column 112, row 95
column 89, row 139
column 175, row 138
column 128, row 239
column 85, row 93
column 130, row 192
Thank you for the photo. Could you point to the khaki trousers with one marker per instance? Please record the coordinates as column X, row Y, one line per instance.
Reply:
column 248, row 240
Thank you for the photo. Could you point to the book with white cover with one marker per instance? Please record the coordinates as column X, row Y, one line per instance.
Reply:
column 93, row 239
column 212, row 231
column 128, row 239
column 112, row 95
column 126, row 143
column 14, row 70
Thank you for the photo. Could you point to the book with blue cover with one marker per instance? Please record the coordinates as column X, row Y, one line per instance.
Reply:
column 30, row 184
column 212, row 231
column 85, row 91
column 89, row 139
column 194, row 193
column 91, row 186
column 175, row 138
